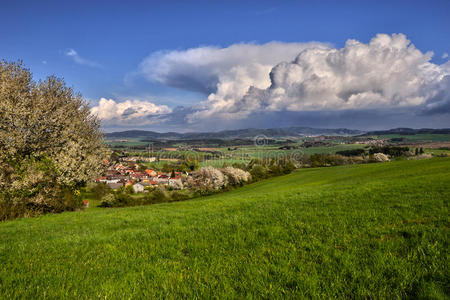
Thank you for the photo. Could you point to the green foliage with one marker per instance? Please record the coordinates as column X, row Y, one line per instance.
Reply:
column 190, row 164
column 35, row 189
column 159, row 195
column 117, row 199
column 98, row 189
column 123, row 198
column 392, row 151
column 179, row 196
column 108, row 200
column 357, row 231
column 129, row 189
column 351, row 152
column 258, row 172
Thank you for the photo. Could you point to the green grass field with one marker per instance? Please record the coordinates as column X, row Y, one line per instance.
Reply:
column 425, row 137
column 437, row 151
column 245, row 154
column 376, row 230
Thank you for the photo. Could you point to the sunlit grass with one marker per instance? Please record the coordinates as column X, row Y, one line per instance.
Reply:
column 374, row 230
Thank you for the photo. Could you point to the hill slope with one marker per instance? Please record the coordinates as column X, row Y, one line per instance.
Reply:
column 378, row 230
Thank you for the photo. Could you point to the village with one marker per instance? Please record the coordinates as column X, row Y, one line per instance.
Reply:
column 123, row 174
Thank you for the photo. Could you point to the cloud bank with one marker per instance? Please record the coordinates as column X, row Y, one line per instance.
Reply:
column 246, row 83
column 389, row 72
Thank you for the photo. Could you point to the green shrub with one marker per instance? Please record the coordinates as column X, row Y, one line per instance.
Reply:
column 258, row 172
column 117, row 199
column 35, row 190
column 351, row 152
column 179, row 196
column 98, row 189
column 129, row 189
column 159, row 195
column 108, row 200
column 392, row 151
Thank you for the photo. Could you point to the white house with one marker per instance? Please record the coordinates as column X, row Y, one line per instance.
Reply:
column 177, row 183
column 138, row 188
column 115, row 180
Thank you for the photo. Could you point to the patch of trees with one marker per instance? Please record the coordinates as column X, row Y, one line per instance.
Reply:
column 261, row 169
column 351, row 152
column 392, row 151
column 187, row 165
column 398, row 139
column 315, row 144
column 125, row 197
column 419, row 151
column 50, row 144
column 288, row 147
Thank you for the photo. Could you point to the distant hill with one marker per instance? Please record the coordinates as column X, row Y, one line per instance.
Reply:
column 288, row 132
column 409, row 131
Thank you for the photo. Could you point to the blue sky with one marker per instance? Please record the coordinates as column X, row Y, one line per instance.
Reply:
column 98, row 47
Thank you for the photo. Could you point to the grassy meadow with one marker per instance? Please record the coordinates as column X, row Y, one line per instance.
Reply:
column 419, row 137
column 373, row 230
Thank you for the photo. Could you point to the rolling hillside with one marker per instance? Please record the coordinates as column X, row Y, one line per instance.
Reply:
column 377, row 230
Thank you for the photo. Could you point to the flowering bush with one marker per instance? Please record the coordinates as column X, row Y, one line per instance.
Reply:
column 236, row 176
column 380, row 157
column 207, row 179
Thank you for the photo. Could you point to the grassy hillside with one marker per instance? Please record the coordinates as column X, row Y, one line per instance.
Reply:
column 378, row 230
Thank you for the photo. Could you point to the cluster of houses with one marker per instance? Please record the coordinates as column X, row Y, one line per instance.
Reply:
column 372, row 142
column 119, row 175
column 138, row 158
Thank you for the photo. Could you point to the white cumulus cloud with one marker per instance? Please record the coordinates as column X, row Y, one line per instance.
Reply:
column 388, row 72
column 129, row 112
column 247, row 85
column 224, row 71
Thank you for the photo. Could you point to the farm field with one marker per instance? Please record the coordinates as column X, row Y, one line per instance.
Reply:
column 373, row 230
column 418, row 137
column 243, row 154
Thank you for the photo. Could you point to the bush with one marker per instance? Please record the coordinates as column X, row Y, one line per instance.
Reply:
column 160, row 194
column 179, row 196
column 352, row 152
column 392, row 151
column 258, row 172
column 236, row 176
column 380, row 157
column 207, row 179
column 108, row 200
column 34, row 189
column 129, row 189
column 117, row 199
column 98, row 189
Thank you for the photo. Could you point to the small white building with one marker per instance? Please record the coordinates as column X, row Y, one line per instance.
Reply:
column 138, row 188
column 115, row 180
column 176, row 184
